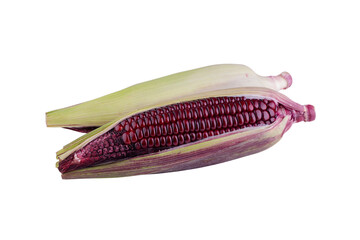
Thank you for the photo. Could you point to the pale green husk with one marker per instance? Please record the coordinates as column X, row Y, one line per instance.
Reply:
column 161, row 91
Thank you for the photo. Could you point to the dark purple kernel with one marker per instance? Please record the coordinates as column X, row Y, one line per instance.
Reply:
column 256, row 104
column 180, row 126
column 133, row 124
column 266, row 116
column 230, row 121
column 181, row 139
column 196, row 114
column 153, row 120
column 271, row 112
column 143, row 143
column 183, row 116
column 118, row 128
column 243, row 105
column 146, row 121
column 258, row 115
column 192, row 125
column 151, row 142
column 240, row 118
column 213, row 123
column 224, row 121
column 216, row 111
column 145, row 132
column 178, row 115
column 233, row 109
column 211, row 112
column 263, row 106
column 246, row 117
column 207, row 124
column 206, row 112
column 222, row 109
column 158, row 130
column 192, row 136
column 166, row 117
column 188, row 114
column 271, row 104
column 172, row 117
column 227, row 109
column 252, row 118
column 126, row 138
column 250, row 106
column 197, row 126
column 202, row 125
column 175, row 141
column 201, row 112
column 137, row 146
column 132, row 136
column 168, row 141
column 152, row 131
column 238, row 107
column 127, row 127
column 187, row 138
column 169, row 129
column 235, row 121
column 186, row 125
column 175, row 128
column 160, row 119
column 162, row 141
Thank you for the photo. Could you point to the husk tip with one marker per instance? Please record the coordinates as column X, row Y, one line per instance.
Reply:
column 288, row 78
column 310, row 113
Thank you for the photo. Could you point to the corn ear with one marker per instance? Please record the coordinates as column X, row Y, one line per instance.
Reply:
column 213, row 150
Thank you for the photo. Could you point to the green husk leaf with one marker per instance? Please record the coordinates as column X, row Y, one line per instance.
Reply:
column 160, row 91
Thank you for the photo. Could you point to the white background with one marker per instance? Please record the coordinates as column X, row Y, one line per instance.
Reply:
column 58, row 53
